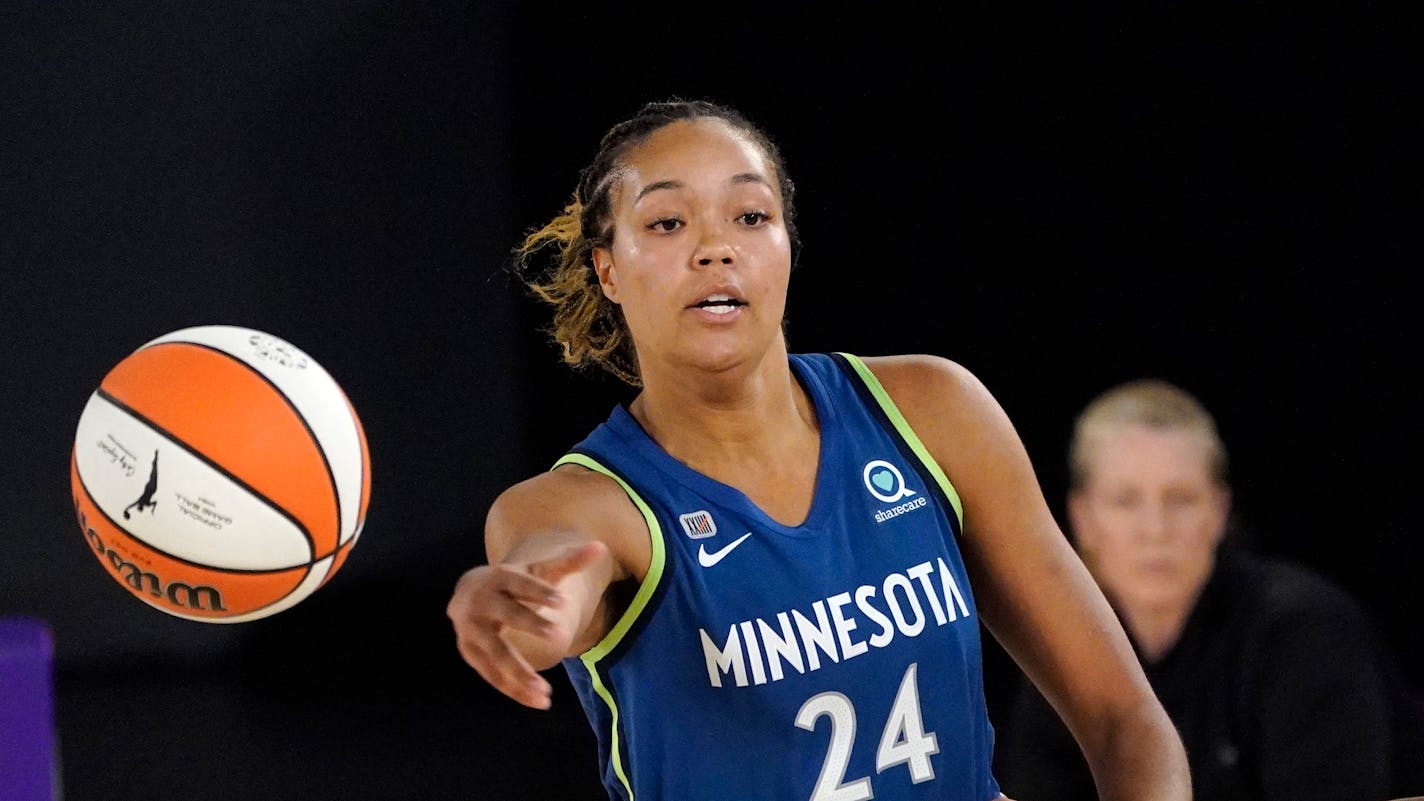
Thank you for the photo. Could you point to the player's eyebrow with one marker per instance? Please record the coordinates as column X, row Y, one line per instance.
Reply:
column 739, row 178
column 749, row 178
column 657, row 186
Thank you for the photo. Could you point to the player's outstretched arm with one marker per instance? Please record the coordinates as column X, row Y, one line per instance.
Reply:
column 544, row 593
column 1032, row 590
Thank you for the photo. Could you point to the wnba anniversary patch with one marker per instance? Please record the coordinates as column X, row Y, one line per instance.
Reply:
column 698, row 525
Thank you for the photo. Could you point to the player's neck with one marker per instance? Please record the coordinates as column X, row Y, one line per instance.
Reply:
column 708, row 417
column 764, row 440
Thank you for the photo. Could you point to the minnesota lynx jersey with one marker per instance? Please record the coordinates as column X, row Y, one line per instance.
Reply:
column 835, row 660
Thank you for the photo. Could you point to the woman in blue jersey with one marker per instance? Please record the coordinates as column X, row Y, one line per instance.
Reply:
column 764, row 574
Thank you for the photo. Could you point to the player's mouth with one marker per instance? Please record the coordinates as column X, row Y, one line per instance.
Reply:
column 719, row 304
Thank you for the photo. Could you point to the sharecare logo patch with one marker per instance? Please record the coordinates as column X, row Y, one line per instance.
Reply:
column 886, row 483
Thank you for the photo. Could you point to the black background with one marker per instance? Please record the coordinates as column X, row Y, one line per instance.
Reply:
column 1227, row 198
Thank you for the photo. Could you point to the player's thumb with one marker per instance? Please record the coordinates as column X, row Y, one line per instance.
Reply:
column 571, row 560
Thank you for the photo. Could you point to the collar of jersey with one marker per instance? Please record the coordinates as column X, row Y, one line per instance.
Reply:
column 631, row 432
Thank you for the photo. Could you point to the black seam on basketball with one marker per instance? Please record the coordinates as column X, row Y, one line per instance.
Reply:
column 244, row 615
column 330, row 474
column 126, row 409
column 245, row 571
column 228, row 619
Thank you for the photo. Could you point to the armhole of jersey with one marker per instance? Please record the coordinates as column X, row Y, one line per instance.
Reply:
column 636, row 607
column 908, row 434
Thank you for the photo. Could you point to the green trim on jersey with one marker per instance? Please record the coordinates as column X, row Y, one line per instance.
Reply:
column 592, row 656
column 901, row 425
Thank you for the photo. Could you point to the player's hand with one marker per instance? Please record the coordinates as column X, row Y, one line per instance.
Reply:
column 505, row 613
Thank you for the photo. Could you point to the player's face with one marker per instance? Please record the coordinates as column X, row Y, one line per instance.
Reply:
column 700, row 258
column 1150, row 517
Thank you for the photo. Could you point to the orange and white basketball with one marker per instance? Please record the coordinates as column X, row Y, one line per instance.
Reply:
column 220, row 474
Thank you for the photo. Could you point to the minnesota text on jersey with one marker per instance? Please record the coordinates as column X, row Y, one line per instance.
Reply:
column 799, row 641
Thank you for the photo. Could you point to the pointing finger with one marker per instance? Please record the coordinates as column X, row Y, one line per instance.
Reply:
column 572, row 560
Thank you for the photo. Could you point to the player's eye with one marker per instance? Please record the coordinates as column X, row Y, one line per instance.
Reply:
column 665, row 224
column 753, row 218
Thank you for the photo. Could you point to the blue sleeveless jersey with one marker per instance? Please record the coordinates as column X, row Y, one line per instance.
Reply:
column 835, row 660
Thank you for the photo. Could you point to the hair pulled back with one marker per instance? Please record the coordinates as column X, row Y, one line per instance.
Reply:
column 556, row 260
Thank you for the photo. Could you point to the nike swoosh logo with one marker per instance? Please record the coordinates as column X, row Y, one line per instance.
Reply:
column 707, row 559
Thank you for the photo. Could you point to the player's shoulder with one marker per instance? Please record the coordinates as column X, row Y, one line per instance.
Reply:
column 570, row 498
column 927, row 383
column 568, row 490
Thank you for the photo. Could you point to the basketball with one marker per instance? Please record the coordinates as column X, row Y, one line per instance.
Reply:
column 220, row 474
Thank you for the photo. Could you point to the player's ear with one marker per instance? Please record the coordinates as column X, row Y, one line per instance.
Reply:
column 607, row 274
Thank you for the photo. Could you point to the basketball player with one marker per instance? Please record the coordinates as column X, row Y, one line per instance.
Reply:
column 765, row 574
